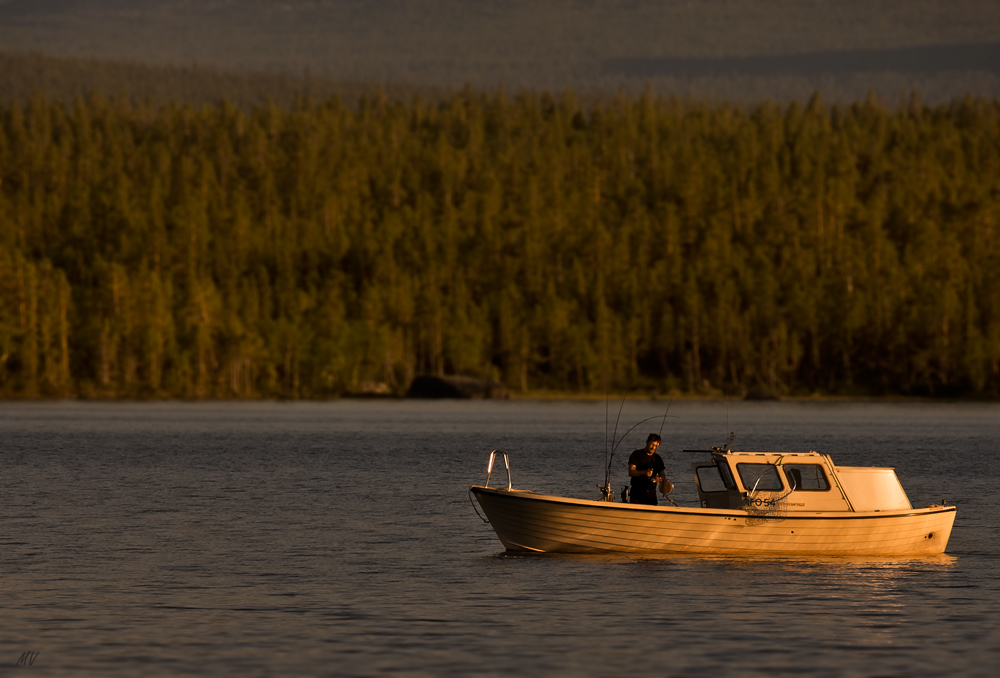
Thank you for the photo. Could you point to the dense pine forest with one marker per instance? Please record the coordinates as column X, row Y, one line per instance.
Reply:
column 320, row 249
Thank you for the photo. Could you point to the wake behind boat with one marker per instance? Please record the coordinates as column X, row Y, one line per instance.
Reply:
column 765, row 503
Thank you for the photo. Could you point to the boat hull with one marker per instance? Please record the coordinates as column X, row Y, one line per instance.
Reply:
column 525, row 521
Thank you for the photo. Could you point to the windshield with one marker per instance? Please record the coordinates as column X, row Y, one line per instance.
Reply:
column 759, row 477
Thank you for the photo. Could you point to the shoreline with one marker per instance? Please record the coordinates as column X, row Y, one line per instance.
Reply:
column 541, row 396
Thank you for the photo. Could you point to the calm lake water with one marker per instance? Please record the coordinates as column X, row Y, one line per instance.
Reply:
column 337, row 539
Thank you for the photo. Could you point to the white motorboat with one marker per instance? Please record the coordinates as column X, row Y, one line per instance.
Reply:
column 765, row 503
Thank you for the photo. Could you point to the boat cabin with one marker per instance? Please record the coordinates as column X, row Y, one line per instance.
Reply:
column 798, row 481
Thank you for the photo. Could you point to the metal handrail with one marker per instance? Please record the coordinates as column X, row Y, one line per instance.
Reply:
column 489, row 468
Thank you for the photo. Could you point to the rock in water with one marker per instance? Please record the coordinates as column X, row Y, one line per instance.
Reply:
column 427, row 386
column 761, row 394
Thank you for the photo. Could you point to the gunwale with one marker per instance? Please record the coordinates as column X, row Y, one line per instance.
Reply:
column 797, row 515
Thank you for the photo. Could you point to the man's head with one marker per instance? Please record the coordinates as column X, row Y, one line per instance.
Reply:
column 652, row 442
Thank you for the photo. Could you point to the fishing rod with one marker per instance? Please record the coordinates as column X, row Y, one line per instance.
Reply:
column 606, row 490
column 625, row 435
column 665, row 417
column 615, row 434
column 662, row 422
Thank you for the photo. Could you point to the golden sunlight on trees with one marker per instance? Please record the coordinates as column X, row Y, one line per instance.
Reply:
column 300, row 252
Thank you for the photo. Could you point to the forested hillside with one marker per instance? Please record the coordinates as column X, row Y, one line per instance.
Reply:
column 305, row 251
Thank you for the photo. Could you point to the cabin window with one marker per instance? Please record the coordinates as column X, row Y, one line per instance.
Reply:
column 806, row 477
column 759, row 477
column 710, row 480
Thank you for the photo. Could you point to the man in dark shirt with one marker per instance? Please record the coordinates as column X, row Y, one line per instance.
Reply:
column 646, row 469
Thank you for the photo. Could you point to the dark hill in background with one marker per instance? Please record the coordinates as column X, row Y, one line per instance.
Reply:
column 737, row 50
column 929, row 60
column 66, row 78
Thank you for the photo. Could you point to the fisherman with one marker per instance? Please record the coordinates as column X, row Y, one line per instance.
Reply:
column 646, row 470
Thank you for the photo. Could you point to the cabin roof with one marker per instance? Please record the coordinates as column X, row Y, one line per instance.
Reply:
column 749, row 453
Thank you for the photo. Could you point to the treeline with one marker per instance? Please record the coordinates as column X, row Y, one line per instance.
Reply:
column 321, row 249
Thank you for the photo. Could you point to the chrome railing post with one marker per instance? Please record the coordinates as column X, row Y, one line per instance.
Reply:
column 489, row 467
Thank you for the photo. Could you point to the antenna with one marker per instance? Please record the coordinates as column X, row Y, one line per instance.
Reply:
column 730, row 436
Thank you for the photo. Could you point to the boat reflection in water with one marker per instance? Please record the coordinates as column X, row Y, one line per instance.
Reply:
column 759, row 503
